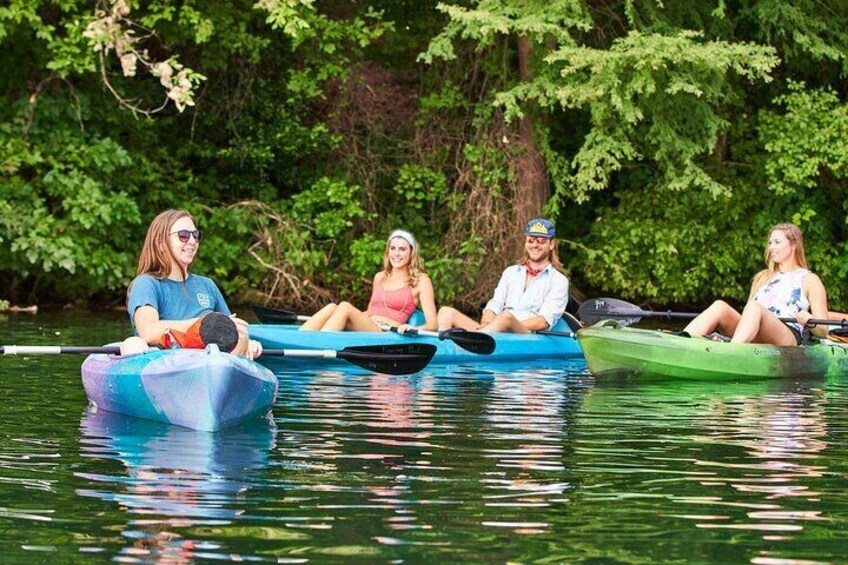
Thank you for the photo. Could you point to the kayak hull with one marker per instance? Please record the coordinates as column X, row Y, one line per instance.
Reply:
column 612, row 348
column 509, row 347
column 200, row 389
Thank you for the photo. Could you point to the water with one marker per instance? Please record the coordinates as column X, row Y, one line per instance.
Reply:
column 538, row 464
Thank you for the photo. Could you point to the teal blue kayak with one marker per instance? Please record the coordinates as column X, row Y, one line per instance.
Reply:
column 202, row 389
column 509, row 347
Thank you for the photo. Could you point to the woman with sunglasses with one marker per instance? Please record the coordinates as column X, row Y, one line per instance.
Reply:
column 397, row 290
column 165, row 296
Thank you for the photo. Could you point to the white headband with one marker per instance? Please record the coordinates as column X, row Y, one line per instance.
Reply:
column 404, row 235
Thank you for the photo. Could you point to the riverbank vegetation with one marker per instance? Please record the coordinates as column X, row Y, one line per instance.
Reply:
column 665, row 137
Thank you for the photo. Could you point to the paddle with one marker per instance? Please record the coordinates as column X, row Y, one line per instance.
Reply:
column 595, row 310
column 395, row 359
column 274, row 316
column 475, row 342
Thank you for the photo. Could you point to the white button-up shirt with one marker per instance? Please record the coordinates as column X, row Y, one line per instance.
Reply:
column 546, row 296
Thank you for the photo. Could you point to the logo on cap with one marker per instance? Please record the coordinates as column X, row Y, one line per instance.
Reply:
column 540, row 227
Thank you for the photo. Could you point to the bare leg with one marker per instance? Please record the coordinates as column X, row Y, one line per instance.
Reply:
column 319, row 318
column 133, row 345
column 505, row 322
column 758, row 325
column 452, row 318
column 719, row 316
column 349, row 317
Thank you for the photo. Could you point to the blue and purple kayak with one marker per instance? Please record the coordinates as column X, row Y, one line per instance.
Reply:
column 510, row 347
column 202, row 389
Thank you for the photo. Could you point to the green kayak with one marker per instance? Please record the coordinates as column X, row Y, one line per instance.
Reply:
column 610, row 347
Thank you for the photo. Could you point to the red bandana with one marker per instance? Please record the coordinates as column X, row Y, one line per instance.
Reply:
column 534, row 272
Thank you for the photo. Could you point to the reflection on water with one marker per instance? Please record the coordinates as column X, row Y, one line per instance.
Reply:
column 748, row 459
column 510, row 463
column 173, row 477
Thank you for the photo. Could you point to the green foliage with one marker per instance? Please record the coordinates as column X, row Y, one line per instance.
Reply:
column 329, row 207
column 62, row 209
column 420, row 186
column 673, row 135
column 653, row 98
column 810, row 137
column 543, row 21
column 366, row 255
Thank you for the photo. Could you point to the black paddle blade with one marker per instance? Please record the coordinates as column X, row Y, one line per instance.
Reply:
column 273, row 316
column 597, row 309
column 397, row 359
column 475, row 342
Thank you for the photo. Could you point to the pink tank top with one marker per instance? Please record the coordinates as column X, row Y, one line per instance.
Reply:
column 398, row 304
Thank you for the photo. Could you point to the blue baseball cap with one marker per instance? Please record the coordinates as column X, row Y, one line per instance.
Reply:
column 540, row 227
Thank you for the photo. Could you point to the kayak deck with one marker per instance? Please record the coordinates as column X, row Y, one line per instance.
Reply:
column 610, row 347
column 509, row 346
column 200, row 389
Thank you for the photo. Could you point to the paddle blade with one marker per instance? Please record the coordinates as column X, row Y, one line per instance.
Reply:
column 397, row 359
column 475, row 342
column 597, row 309
column 273, row 316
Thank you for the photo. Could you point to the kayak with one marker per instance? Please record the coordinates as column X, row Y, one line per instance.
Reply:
column 202, row 389
column 610, row 347
column 509, row 346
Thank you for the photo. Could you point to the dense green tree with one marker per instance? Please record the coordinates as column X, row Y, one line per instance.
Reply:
column 665, row 138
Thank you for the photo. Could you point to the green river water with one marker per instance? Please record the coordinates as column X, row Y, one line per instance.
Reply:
column 485, row 464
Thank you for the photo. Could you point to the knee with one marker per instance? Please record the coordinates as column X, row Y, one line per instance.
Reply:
column 445, row 315
column 344, row 307
column 505, row 316
column 720, row 305
column 133, row 345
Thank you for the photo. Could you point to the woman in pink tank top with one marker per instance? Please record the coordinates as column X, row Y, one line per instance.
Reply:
column 398, row 290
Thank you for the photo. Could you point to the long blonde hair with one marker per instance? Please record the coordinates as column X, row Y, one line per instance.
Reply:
column 414, row 269
column 794, row 235
column 156, row 258
column 554, row 256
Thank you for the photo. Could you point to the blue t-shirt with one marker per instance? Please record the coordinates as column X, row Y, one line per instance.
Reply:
column 175, row 300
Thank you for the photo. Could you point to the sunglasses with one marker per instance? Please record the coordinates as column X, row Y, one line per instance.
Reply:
column 186, row 235
column 531, row 239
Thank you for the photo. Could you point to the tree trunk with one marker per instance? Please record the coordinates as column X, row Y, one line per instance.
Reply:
column 532, row 188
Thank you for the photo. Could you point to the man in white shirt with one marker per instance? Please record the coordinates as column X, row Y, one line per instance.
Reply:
column 529, row 297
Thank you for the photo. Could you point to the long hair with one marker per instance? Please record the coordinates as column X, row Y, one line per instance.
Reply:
column 414, row 268
column 554, row 256
column 794, row 235
column 156, row 258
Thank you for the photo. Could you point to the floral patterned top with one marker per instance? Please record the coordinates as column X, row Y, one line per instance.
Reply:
column 784, row 296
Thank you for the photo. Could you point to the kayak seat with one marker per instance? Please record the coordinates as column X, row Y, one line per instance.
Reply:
column 417, row 319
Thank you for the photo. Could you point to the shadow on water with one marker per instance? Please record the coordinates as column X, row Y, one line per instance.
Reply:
column 173, row 477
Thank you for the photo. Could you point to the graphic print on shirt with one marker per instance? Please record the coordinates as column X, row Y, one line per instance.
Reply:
column 783, row 295
column 204, row 299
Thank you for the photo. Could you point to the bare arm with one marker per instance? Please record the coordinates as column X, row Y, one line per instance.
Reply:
column 488, row 316
column 150, row 328
column 536, row 323
column 427, row 302
column 817, row 297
